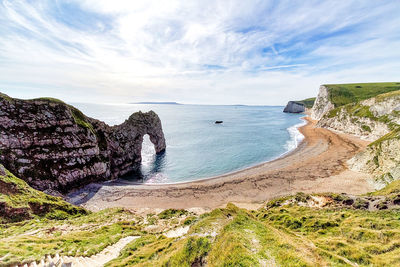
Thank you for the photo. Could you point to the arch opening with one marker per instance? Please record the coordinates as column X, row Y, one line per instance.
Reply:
column 152, row 163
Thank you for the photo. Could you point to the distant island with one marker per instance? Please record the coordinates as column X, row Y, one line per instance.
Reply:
column 161, row 103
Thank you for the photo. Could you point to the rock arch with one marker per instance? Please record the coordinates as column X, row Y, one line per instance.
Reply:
column 126, row 141
column 55, row 146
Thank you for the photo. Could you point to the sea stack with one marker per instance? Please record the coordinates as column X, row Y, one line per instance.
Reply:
column 294, row 107
column 53, row 146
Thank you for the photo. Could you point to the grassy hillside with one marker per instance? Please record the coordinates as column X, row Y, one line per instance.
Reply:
column 342, row 94
column 299, row 230
column 309, row 102
column 19, row 201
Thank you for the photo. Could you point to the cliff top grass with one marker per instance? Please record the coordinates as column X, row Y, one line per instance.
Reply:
column 6, row 97
column 48, row 99
column 78, row 116
column 342, row 94
column 308, row 102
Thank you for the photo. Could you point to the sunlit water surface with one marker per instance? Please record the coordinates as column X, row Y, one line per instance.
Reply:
column 197, row 147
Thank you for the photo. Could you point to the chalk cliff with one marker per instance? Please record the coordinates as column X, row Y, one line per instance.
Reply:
column 375, row 119
column 53, row 146
column 294, row 107
column 381, row 159
column 322, row 104
column 368, row 119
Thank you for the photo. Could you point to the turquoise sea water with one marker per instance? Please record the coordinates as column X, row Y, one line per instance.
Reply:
column 197, row 147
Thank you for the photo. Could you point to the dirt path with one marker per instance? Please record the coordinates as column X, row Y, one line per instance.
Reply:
column 317, row 165
column 109, row 253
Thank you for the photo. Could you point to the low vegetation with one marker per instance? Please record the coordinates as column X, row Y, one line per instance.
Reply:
column 395, row 134
column 356, row 110
column 342, row 94
column 79, row 118
column 298, row 230
column 308, row 103
column 19, row 201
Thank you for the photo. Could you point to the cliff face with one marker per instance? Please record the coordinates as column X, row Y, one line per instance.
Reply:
column 375, row 119
column 294, row 107
column 369, row 119
column 381, row 158
column 322, row 104
column 53, row 146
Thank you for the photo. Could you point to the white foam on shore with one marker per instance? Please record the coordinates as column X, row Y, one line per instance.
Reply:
column 295, row 136
column 157, row 178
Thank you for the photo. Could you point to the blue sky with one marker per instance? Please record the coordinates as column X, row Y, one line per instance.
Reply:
column 205, row 52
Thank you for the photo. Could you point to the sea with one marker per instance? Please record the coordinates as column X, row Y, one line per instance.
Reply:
column 197, row 147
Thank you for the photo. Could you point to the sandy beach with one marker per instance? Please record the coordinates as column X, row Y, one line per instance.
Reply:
column 318, row 164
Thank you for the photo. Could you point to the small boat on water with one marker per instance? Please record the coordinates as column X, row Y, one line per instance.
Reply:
column 218, row 122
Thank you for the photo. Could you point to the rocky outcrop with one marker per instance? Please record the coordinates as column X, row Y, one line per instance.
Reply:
column 375, row 119
column 322, row 104
column 381, row 158
column 53, row 146
column 369, row 119
column 294, row 107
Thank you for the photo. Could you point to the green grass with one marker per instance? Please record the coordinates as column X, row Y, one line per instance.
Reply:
column 342, row 94
column 48, row 99
column 193, row 251
column 395, row 134
column 356, row 110
column 308, row 103
column 284, row 232
column 82, row 236
column 383, row 97
column 81, row 119
column 22, row 202
column 171, row 213
column 6, row 97
column 390, row 189
column 354, row 235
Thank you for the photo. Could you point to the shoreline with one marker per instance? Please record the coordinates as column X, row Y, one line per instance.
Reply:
column 316, row 165
column 282, row 156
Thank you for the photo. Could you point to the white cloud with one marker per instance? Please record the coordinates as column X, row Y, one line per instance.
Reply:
column 228, row 52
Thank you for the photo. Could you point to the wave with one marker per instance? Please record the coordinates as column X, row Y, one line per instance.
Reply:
column 295, row 136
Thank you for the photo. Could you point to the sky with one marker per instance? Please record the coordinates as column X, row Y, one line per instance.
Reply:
column 199, row 52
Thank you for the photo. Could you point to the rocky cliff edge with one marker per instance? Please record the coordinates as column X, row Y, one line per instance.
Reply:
column 375, row 119
column 53, row 146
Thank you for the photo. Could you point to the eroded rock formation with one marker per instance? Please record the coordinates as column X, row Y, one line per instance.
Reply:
column 294, row 107
column 53, row 146
column 368, row 119
column 374, row 119
column 322, row 104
